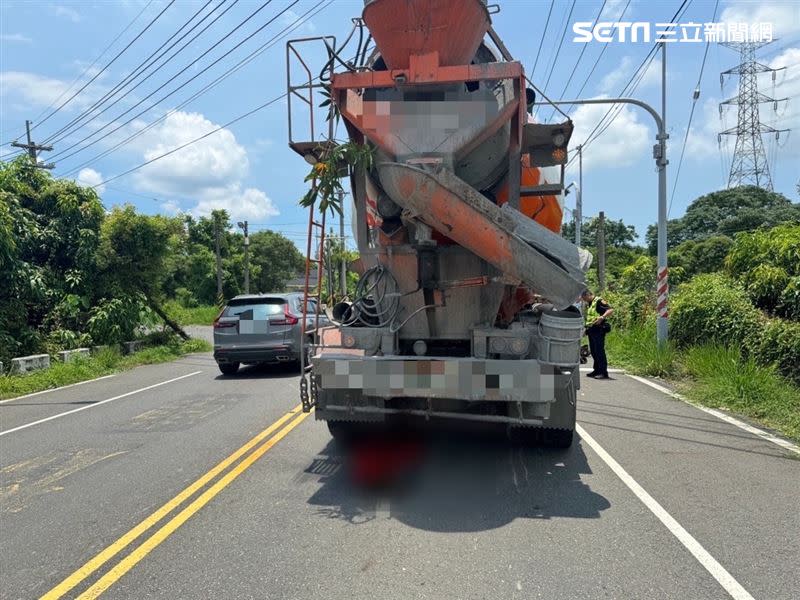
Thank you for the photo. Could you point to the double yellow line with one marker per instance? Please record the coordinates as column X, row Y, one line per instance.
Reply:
column 293, row 417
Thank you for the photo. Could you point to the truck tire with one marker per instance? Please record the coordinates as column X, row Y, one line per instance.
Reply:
column 228, row 368
column 344, row 432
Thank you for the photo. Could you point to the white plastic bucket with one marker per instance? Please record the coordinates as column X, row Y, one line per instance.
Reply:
column 559, row 337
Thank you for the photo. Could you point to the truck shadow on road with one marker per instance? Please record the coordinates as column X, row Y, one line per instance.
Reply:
column 462, row 485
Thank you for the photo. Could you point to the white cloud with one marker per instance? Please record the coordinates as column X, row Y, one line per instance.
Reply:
column 613, row 9
column 66, row 12
column 784, row 16
column 619, row 76
column 210, row 171
column 91, row 178
column 40, row 91
column 290, row 17
column 33, row 88
column 171, row 207
column 625, row 141
column 17, row 38
column 250, row 203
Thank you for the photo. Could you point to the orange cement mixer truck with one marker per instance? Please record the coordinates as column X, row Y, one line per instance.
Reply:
column 464, row 306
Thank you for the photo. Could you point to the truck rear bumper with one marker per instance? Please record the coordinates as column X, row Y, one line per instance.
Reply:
column 511, row 391
column 472, row 379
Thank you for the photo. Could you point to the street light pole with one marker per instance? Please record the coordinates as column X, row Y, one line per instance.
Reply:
column 579, row 199
column 662, row 282
column 660, row 156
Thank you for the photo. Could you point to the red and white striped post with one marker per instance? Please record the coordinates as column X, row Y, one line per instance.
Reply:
column 662, row 290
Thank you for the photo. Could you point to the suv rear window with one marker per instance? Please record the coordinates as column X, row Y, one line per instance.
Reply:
column 254, row 310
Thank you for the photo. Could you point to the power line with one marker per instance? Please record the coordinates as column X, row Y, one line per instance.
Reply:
column 316, row 9
column 87, row 69
column 202, row 137
column 132, row 76
column 594, row 66
column 643, row 67
column 541, row 39
column 577, row 62
column 166, row 83
column 560, row 43
column 194, row 141
column 111, row 62
column 695, row 96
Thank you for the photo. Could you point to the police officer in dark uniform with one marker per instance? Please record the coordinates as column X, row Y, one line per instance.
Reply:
column 596, row 317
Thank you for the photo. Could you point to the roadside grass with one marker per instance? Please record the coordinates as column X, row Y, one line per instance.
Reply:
column 198, row 315
column 635, row 350
column 103, row 363
column 721, row 378
column 713, row 376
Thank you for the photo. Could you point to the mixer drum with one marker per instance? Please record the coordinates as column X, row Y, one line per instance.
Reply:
column 453, row 28
column 437, row 122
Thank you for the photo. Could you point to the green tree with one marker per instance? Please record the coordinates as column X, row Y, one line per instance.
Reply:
column 617, row 234
column 277, row 259
column 701, row 256
column 132, row 255
column 727, row 212
column 767, row 263
column 48, row 236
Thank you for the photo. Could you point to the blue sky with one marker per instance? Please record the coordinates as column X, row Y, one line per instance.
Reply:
column 248, row 168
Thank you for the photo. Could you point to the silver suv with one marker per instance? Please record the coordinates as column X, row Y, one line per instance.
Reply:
column 261, row 329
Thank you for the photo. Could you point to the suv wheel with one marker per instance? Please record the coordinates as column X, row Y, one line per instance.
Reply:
column 228, row 368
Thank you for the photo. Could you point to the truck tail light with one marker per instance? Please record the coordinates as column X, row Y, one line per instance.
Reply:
column 224, row 324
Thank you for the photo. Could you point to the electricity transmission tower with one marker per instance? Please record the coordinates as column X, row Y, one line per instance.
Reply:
column 749, row 164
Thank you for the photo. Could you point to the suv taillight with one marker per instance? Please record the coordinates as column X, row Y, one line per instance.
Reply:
column 225, row 324
column 288, row 318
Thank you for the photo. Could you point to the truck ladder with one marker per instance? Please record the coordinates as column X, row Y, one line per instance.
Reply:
column 309, row 396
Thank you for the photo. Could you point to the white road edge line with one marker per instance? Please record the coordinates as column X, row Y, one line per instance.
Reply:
column 787, row 445
column 725, row 579
column 63, row 387
column 76, row 410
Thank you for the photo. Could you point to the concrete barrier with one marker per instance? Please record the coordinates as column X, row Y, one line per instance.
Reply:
column 26, row 364
column 131, row 347
column 98, row 349
column 70, row 355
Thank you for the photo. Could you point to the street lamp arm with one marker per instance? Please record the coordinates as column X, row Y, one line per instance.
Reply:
column 660, row 156
column 644, row 105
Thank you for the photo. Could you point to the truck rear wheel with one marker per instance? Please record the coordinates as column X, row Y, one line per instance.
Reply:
column 344, row 432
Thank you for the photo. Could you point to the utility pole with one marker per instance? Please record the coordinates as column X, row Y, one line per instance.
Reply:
column 219, row 259
column 243, row 226
column 749, row 163
column 343, row 280
column 33, row 149
column 579, row 198
column 660, row 156
column 601, row 251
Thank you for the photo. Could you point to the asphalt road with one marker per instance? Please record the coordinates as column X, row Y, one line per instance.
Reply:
column 657, row 500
